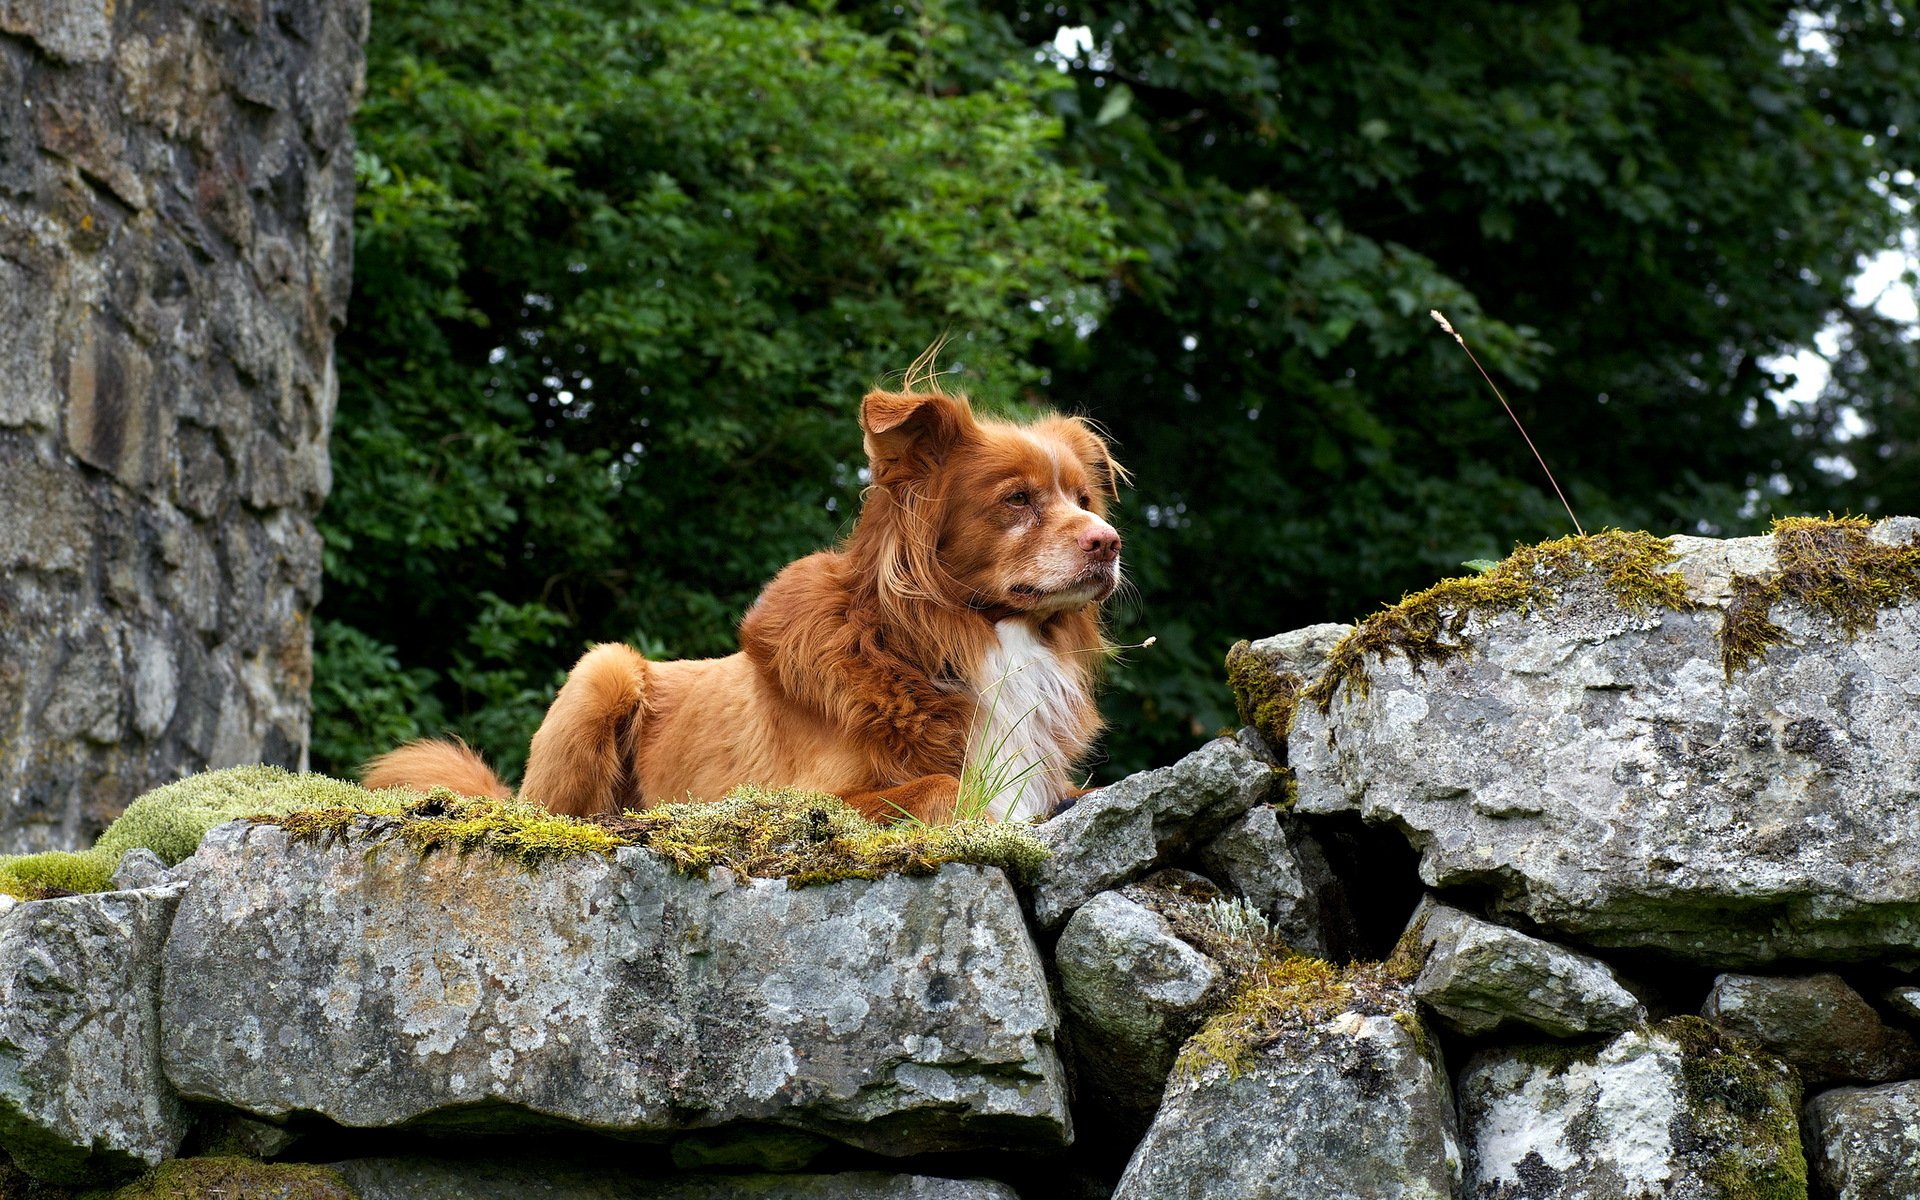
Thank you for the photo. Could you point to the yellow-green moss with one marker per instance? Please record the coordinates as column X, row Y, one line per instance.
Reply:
column 56, row 873
column 1425, row 627
column 1830, row 566
column 803, row 837
column 1745, row 1104
column 1409, row 956
column 443, row 820
column 200, row 1178
column 809, row 837
column 1290, row 993
column 170, row 821
column 1264, row 694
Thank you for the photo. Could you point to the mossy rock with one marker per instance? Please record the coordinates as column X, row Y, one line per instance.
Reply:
column 1677, row 1109
column 804, row 837
column 1832, row 566
column 800, row 836
column 1426, row 627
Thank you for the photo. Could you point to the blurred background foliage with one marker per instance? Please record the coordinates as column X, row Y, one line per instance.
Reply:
column 625, row 268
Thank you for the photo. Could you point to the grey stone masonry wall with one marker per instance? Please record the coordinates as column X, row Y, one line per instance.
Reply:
column 176, row 182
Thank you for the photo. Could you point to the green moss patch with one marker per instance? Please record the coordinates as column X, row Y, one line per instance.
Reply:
column 1426, row 627
column 1745, row 1105
column 1264, row 694
column 444, row 820
column 170, row 821
column 1830, row 566
column 803, row 837
column 1288, row 994
column 809, row 837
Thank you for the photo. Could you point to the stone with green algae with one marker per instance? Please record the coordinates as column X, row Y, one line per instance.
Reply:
column 1676, row 1111
column 1320, row 1082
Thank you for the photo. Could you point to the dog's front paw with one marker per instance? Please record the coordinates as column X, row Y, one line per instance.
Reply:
column 930, row 799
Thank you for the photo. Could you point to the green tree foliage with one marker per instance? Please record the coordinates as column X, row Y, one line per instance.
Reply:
column 624, row 271
column 731, row 220
column 1628, row 209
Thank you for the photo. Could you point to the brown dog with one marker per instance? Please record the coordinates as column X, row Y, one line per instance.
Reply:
column 957, row 626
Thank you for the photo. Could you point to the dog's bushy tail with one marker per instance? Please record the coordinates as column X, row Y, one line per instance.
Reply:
column 428, row 763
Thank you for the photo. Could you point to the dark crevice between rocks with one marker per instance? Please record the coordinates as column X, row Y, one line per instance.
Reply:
column 1380, row 874
column 1083, row 1171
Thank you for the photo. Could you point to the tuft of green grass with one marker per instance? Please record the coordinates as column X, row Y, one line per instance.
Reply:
column 1830, row 566
column 1425, row 627
column 989, row 770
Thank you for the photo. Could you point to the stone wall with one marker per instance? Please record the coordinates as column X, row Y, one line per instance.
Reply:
column 1606, row 857
column 175, row 247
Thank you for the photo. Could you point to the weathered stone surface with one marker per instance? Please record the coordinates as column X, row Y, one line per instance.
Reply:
column 1817, row 1024
column 1477, row 976
column 140, row 868
column 1120, row 832
column 81, row 1089
column 1133, row 991
column 1269, row 858
column 1905, row 1002
column 1864, row 1143
column 1356, row 1106
column 519, row 1179
column 358, row 982
column 1601, row 772
column 1266, row 677
column 175, row 245
column 1673, row 1112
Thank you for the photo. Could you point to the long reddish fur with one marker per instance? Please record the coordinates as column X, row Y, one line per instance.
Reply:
column 854, row 671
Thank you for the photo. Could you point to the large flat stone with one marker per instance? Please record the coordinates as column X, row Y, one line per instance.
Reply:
column 359, row 982
column 1600, row 773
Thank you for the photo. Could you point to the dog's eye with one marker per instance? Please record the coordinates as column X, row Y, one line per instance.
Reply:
column 1018, row 499
column 1086, row 501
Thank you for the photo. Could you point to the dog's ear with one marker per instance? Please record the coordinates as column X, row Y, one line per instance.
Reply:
column 909, row 430
column 1103, row 470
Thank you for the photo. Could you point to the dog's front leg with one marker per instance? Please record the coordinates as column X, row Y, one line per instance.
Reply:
column 930, row 799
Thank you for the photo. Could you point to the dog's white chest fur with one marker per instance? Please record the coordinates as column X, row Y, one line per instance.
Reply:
column 1029, row 704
